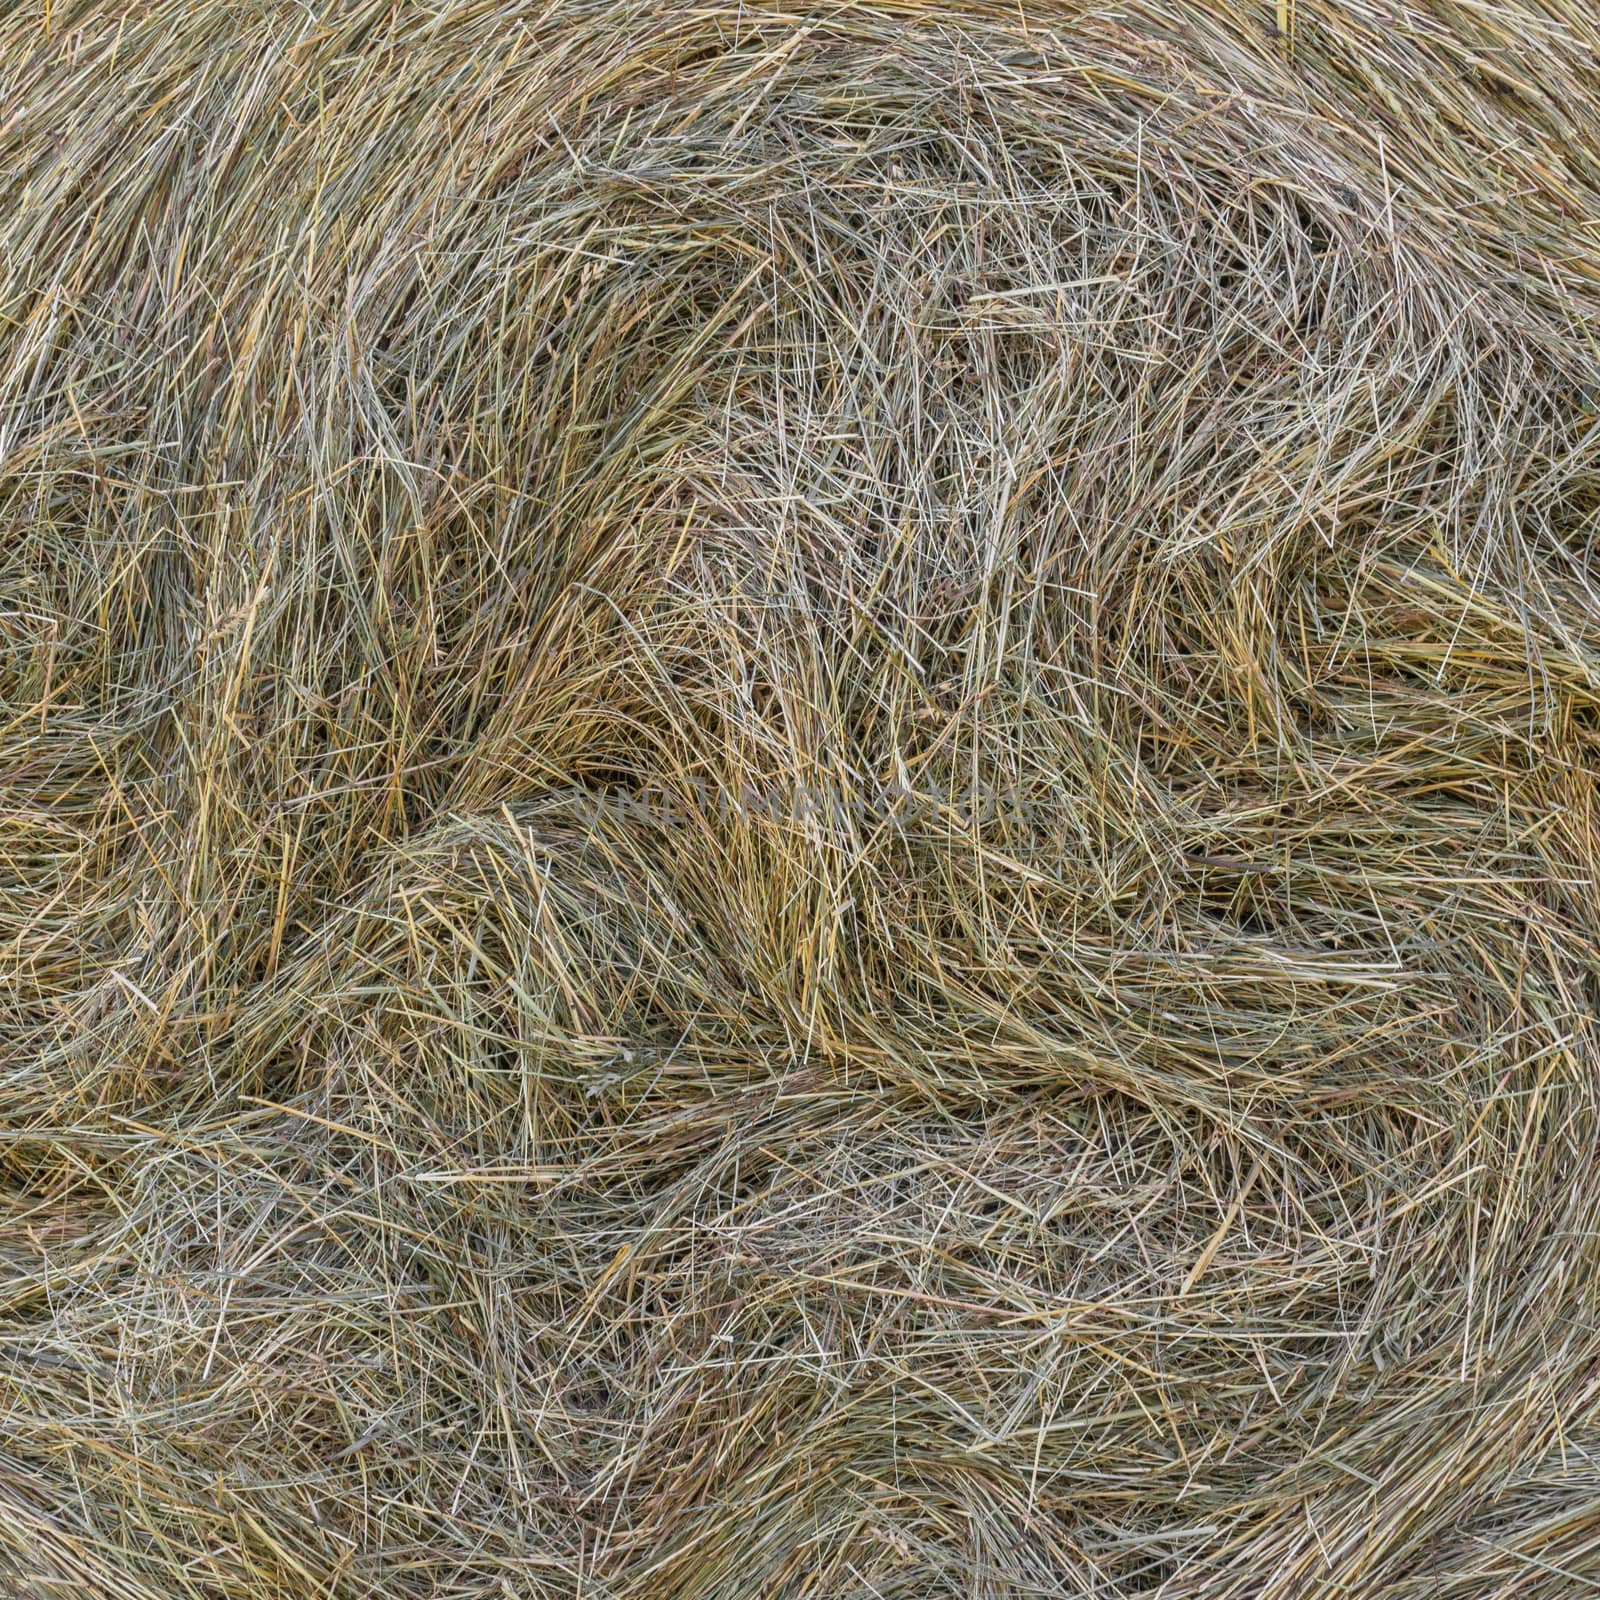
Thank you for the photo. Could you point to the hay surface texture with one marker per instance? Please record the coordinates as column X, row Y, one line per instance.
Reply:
column 799, row 802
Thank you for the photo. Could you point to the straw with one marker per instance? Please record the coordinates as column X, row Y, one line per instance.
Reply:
column 799, row 801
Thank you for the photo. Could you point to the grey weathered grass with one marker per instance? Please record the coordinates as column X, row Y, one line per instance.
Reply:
column 419, row 423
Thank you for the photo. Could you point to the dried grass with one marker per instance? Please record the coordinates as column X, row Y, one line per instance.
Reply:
column 799, row 802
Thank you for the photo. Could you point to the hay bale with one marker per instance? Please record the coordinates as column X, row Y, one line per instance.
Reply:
column 799, row 801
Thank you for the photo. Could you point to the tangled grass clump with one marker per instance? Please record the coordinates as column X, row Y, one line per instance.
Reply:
column 799, row 800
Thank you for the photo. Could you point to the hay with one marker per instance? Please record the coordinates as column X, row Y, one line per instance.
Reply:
column 799, row 802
